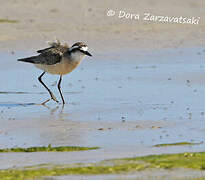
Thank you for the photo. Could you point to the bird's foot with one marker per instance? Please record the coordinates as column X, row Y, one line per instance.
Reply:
column 63, row 102
column 54, row 98
column 43, row 103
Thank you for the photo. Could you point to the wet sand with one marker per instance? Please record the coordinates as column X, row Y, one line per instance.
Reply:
column 123, row 106
column 144, row 86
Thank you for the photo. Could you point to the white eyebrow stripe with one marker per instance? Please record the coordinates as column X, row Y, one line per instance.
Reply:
column 74, row 47
column 84, row 48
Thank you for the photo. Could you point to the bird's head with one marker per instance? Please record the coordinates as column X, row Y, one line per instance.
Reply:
column 79, row 48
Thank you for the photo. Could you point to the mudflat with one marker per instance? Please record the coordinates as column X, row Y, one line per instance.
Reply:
column 144, row 85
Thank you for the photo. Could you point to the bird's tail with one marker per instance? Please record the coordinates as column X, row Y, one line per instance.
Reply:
column 29, row 59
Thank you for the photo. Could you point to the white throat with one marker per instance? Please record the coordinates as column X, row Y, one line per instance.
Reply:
column 77, row 56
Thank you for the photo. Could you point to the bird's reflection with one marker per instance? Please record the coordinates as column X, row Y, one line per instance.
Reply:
column 55, row 109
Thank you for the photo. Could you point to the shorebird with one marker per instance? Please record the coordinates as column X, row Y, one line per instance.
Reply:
column 58, row 59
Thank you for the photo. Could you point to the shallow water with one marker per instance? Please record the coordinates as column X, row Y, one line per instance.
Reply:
column 124, row 102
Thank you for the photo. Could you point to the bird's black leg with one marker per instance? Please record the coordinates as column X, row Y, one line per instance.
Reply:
column 59, row 88
column 51, row 94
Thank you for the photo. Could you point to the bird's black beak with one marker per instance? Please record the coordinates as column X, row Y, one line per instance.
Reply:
column 87, row 53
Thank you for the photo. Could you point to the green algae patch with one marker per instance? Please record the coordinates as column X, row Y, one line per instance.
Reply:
column 48, row 149
column 8, row 21
column 166, row 161
column 200, row 178
column 176, row 144
column 25, row 174
column 195, row 161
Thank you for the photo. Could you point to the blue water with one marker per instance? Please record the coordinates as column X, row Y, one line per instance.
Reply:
column 143, row 88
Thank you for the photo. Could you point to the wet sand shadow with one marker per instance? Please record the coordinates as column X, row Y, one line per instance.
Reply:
column 14, row 104
column 21, row 92
column 51, row 110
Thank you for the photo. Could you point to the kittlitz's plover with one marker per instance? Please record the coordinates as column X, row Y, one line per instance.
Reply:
column 58, row 59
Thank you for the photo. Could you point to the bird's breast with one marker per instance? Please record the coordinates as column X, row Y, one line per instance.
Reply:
column 65, row 66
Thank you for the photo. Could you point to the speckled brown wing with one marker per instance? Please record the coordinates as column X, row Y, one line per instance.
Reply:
column 48, row 56
column 52, row 55
column 55, row 46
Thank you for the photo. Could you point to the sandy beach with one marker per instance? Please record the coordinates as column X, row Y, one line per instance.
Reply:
column 144, row 85
column 38, row 22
